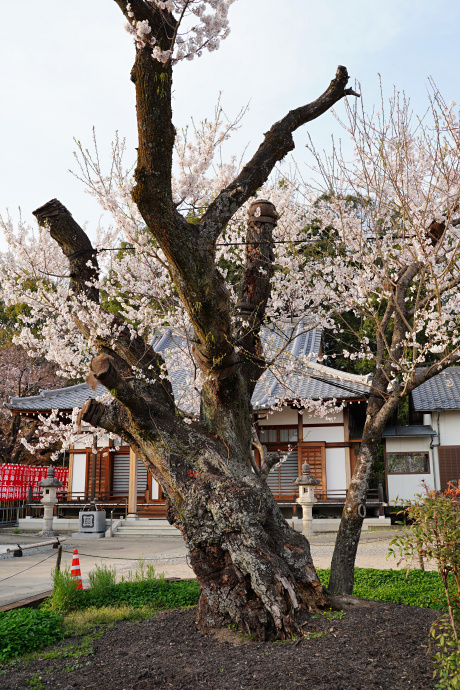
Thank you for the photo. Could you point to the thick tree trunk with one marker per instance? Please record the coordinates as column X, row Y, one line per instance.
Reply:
column 253, row 569
column 343, row 560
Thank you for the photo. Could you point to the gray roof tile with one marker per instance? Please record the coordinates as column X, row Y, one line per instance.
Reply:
column 441, row 392
column 326, row 384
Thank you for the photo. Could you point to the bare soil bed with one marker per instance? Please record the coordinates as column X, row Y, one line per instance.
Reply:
column 378, row 645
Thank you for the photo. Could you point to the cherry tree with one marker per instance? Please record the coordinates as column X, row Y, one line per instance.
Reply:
column 392, row 267
column 185, row 260
column 20, row 376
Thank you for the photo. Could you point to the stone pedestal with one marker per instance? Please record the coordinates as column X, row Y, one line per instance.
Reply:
column 50, row 486
column 306, row 483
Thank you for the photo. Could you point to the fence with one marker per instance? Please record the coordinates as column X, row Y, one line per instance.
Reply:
column 15, row 480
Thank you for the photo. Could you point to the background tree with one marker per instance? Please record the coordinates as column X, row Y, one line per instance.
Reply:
column 253, row 569
column 391, row 285
column 20, row 375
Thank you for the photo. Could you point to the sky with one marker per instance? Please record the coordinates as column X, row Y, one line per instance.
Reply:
column 66, row 64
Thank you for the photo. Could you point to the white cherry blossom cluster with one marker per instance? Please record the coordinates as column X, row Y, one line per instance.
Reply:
column 383, row 207
column 199, row 25
column 376, row 210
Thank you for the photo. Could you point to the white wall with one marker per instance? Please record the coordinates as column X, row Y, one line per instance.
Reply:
column 333, row 434
column 403, row 487
column 316, row 419
column 78, row 474
column 449, row 427
column 335, row 469
column 285, row 416
column 154, row 493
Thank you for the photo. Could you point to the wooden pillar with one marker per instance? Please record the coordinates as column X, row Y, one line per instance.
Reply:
column 70, row 477
column 347, row 466
column 299, row 427
column 132, row 491
column 93, row 469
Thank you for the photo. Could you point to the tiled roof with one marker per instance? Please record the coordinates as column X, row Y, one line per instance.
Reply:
column 59, row 399
column 315, row 382
column 321, row 382
column 441, row 392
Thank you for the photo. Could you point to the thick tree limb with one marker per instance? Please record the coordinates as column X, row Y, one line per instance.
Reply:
column 126, row 350
column 276, row 145
column 75, row 244
column 162, row 22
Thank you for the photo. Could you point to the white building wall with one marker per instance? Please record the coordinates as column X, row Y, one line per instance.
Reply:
column 285, row 416
column 335, row 470
column 449, row 427
column 404, row 487
column 78, row 475
column 333, row 434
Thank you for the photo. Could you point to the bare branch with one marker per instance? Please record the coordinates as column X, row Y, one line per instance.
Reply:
column 276, row 145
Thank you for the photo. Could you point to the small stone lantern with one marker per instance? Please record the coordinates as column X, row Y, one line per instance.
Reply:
column 50, row 486
column 306, row 483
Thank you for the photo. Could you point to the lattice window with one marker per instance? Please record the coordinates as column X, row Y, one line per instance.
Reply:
column 449, row 465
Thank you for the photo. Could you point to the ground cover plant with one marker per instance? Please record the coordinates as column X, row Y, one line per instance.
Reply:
column 413, row 588
column 142, row 594
column 139, row 588
column 24, row 630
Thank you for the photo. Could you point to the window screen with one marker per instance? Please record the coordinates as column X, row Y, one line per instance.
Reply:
column 408, row 463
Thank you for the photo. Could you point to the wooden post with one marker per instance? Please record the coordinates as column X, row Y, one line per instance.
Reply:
column 132, row 490
column 70, row 477
column 299, row 428
column 347, row 466
column 58, row 559
column 93, row 469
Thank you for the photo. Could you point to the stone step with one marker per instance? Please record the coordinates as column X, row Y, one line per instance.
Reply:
column 140, row 535
column 144, row 527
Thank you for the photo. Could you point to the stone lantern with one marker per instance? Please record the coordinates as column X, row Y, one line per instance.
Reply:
column 50, row 486
column 306, row 483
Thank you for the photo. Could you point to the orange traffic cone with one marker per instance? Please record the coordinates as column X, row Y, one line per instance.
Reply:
column 75, row 572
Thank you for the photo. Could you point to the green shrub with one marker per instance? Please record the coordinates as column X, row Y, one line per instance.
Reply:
column 65, row 597
column 434, row 534
column 102, row 579
column 26, row 630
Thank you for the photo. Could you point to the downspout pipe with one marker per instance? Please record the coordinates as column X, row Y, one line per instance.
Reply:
column 436, row 445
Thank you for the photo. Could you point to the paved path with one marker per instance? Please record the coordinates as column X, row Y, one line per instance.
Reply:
column 30, row 575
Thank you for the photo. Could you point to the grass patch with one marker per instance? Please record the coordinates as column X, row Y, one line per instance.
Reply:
column 140, row 589
column 85, row 621
column 156, row 594
column 414, row 588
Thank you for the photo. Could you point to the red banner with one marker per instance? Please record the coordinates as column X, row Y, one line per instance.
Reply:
column 16, row 479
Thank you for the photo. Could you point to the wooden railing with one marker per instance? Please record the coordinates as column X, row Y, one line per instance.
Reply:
column 335, row 495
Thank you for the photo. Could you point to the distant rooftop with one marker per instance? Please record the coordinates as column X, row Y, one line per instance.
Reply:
column 442, row 392
column 320, row 382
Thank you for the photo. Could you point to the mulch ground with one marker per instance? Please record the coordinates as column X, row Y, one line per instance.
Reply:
column 376, row 645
